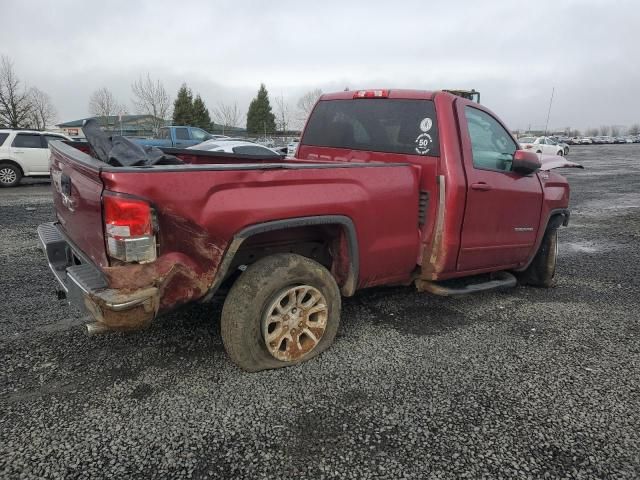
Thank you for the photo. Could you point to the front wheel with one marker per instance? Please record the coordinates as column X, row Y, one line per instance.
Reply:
column 542, row 271
column 283, row 309
column 10, row 175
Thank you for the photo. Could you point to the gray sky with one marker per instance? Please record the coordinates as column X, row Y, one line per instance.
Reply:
column 513, row 52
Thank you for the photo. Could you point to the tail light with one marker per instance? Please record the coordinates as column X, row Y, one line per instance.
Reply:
column 371, row 94
column 129, row 228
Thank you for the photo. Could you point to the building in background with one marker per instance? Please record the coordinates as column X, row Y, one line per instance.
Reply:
column 126, row 125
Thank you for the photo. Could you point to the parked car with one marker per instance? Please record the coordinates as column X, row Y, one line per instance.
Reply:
column 374, row 196
column 24, row 153
column 541, row 145
column 557, row 141
column 240, row 147
column 586, row 141
column 292, row 147
column 178, row 137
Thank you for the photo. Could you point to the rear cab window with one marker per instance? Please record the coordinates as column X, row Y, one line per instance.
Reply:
column 404, row 126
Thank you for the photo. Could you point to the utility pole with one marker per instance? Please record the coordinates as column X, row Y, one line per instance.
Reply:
column 546, row 126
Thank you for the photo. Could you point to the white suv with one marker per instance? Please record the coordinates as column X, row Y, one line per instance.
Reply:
column 24, row 153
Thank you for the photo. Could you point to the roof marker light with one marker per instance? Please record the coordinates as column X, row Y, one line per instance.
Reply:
column 371, row 94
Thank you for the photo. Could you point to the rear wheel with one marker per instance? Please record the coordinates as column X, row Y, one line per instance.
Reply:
column 283, row 310
column 561, row 153
column 10, row 175
column 542, row 271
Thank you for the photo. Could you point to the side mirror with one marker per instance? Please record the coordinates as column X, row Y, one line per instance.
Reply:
column 525, row 162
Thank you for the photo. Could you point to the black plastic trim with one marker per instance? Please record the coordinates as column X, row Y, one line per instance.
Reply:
column 351, row 283
column 563, row 213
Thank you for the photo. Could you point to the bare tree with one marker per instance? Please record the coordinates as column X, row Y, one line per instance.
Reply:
column 604, row 130
column 591, row 132
column 615, row 131
column 103, row 104
column 307, row 102
column 227, row 115
column 43, row 112
column 150, row 98
column 283, row 114
column 15, row 106
column 634, row 129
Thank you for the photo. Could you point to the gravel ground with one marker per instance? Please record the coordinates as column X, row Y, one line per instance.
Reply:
column 527, row 383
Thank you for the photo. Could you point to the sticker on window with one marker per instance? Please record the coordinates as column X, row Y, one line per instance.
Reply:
column 423, row 143
column 426, row 124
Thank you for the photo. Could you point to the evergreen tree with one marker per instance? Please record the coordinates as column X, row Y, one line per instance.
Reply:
column 183, row 107
column 260, row 118
column 201, row 117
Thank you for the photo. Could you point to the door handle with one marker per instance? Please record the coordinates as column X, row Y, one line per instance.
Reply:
column 481, row 186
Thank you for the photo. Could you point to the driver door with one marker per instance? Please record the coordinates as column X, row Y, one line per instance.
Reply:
column 502, row 207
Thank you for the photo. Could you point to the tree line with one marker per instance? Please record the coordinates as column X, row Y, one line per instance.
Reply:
column 31, row 108
column 22, row 106
column 151, row 98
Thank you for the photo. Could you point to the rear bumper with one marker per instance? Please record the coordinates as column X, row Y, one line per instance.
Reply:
column 84, row 285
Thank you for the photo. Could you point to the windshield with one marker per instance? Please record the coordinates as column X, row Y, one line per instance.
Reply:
column 384, row 125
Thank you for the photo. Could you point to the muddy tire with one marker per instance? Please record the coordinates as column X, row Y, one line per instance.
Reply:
column 283, row 310
column 10, row 175
column 542, row 271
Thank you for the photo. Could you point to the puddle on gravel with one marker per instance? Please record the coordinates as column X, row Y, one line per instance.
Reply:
column 569, row 248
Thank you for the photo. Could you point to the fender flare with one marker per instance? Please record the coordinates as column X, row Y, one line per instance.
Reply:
column 350, row 284
column 555, row 218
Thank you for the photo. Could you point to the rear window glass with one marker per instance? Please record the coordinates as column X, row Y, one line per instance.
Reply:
column 3, row 137
column 382, row 125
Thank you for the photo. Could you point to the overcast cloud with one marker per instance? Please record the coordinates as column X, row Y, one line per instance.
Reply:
column 513, row 52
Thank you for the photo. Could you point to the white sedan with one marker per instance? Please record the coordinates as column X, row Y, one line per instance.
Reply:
column 541, row 145
column 236, row 146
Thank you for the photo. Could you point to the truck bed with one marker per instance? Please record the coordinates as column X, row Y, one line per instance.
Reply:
column 205, row 203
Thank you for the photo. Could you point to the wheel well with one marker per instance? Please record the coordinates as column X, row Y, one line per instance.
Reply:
column 327, row 244
column 15, row 164
column 557, row 219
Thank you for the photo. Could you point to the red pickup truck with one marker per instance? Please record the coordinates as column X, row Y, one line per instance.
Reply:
column 387, row 187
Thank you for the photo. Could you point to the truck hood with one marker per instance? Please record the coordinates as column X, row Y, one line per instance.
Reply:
column 549, row 162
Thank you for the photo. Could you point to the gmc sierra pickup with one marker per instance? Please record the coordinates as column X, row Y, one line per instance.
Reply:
column 387, row 187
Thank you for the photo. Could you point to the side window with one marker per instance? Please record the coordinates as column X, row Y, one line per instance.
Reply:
column 163, row 134
column 3, row 137
column 182, row 134
column 492, row 146
column 27, row 140
column 199, row 135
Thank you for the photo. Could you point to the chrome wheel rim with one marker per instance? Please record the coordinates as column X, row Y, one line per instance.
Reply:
column 294, row 322
column 7, row 175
